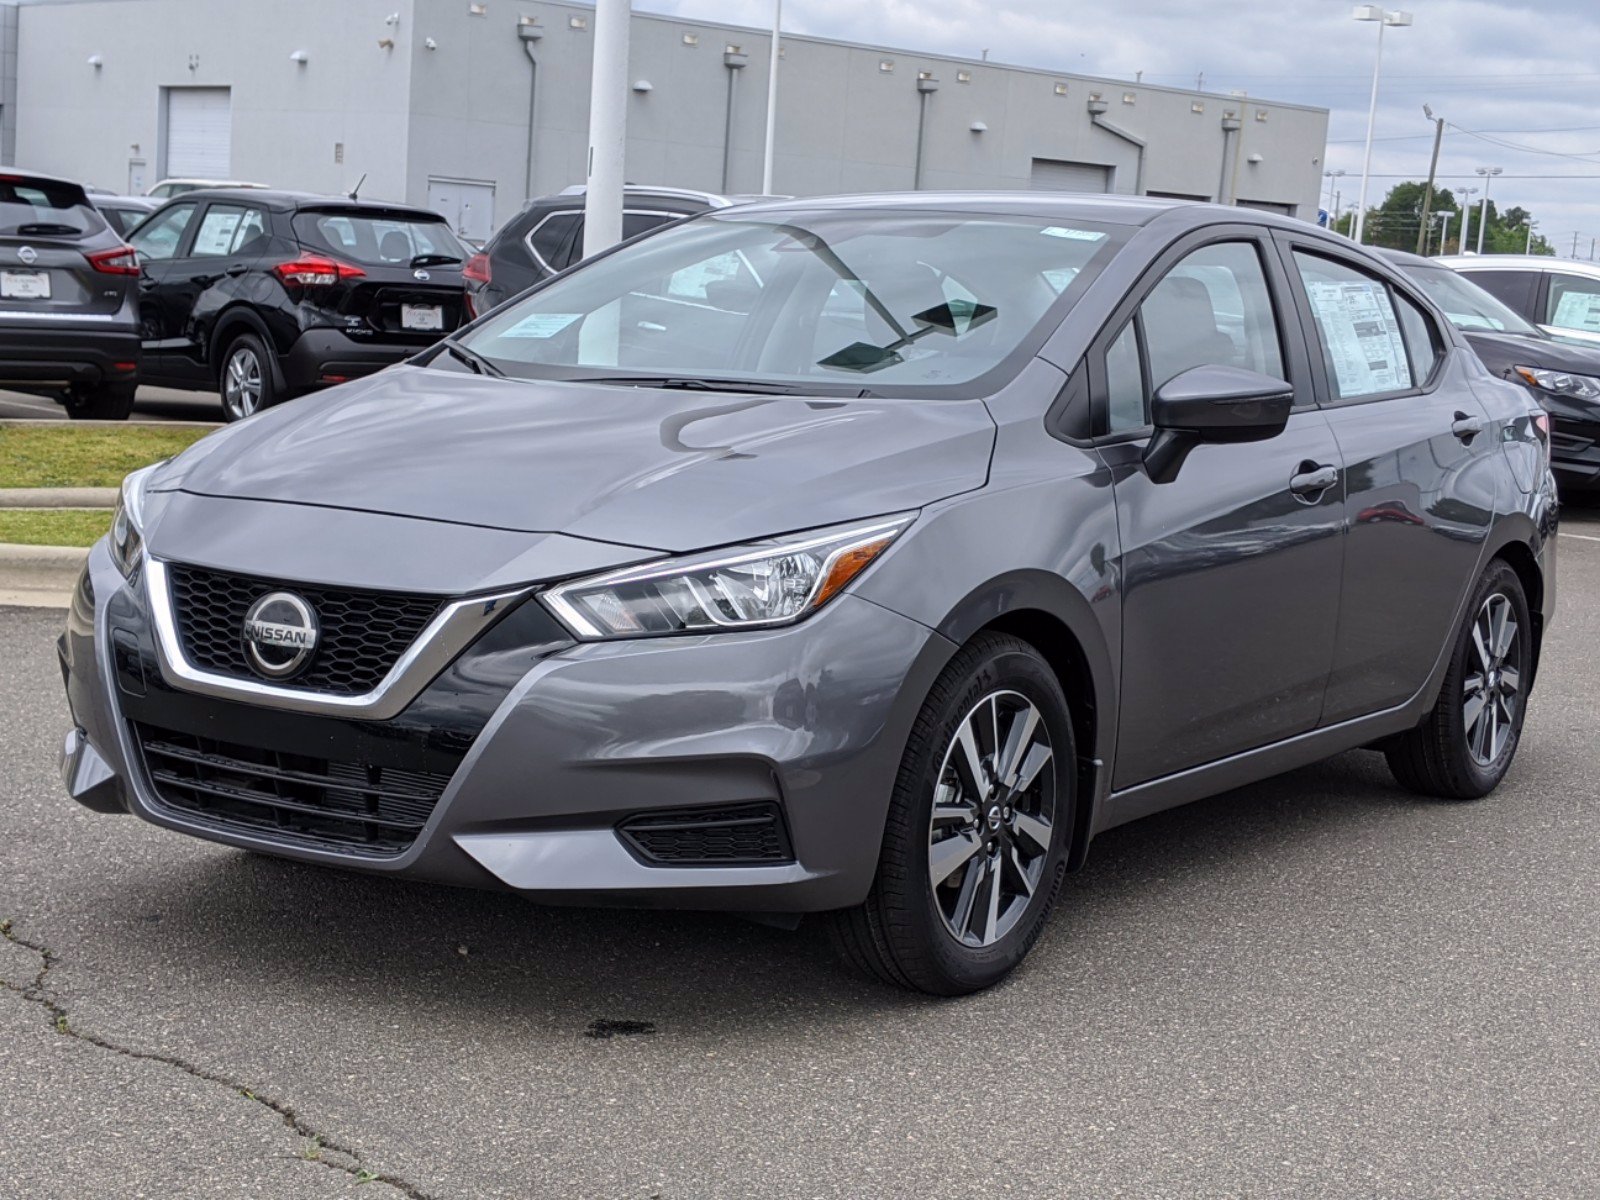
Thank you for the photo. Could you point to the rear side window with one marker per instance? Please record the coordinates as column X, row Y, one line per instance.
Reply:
column 1358, row 328
column 1574, row 303
column 44, row 208
column 1515, row 289
column 377, row 240
column 158, row 238
column 549, row 239
column 228, row 230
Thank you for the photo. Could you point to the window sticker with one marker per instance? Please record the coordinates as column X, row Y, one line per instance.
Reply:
column 1362, row 335
column 216, row 233
column 1075, row 235
column 540, row 325
column 1578, row 310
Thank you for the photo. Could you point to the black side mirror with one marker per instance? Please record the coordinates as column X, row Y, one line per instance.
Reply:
column 1213, row 404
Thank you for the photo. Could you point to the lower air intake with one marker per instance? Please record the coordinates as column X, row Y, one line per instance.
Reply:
column 746, row 835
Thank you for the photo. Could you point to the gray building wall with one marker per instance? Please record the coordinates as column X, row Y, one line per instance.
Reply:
column 8, row 83
column 412, row 115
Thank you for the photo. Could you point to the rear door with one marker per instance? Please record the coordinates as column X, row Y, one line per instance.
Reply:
column 406, row 287
column 204, row 279
column 1230, row 572
column 48, row 230
column 1422, row 468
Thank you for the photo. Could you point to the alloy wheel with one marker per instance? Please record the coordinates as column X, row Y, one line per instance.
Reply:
column 241, row 384
column 994, row 809
column 1493, row 684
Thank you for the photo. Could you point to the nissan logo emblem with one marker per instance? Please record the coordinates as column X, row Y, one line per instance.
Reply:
column 419, row 273
column 28, row 255
column 280, row 635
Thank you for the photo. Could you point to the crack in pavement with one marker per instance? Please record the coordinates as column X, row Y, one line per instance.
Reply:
column 347, row 1159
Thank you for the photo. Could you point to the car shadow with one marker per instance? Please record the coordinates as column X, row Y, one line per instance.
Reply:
column 341, row 939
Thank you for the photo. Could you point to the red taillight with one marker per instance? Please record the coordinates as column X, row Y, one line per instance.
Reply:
column 313, row 270
column 119, row 260
column 478, row 269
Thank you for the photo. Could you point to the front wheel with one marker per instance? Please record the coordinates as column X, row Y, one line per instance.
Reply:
column 1465, row 745
column 246, row 383
column 975, row 845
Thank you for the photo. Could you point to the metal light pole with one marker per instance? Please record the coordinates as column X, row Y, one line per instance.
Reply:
column 1488, row 174
column 1528, row 249
column 1466, row 195
column 1372, row 12
column 772, row 99
column 608, row 127
column 1332, row 177
column 1444, row 229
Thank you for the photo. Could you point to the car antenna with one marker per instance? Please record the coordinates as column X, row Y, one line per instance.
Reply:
column 355, row 191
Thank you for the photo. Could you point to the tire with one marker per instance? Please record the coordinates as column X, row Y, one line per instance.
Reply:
column 103, row 402
column 245, row 383
column 1465, row 745
column 938, row 937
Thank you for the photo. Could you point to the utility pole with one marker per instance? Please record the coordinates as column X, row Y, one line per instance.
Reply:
column 608, row 127
column 1433, row 168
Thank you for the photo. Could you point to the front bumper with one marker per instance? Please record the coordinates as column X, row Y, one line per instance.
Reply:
column 812, row 719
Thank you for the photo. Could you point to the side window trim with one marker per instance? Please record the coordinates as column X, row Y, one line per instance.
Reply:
column 1298, row 363
column 527, row 238
column 186, row 234
column 1288, row 243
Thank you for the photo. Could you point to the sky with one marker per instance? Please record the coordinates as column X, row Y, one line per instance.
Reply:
column 1517, row 82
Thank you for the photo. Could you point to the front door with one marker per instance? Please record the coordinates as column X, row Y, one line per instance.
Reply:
column 227, row 241
column 1421, row 470
column 1231, row 571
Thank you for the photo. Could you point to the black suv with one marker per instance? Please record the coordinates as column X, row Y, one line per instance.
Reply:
column 68, row 298
column 264, row 295
column 546, row 236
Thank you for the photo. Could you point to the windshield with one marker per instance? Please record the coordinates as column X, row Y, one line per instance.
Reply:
column 1466, row 304
column 843, row 301
column 378, row 240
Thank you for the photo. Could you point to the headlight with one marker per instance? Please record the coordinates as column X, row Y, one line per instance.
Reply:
column 1580, row 387
column 126, row 540
column 750, row 587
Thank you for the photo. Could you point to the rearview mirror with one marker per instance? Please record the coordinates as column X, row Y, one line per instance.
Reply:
column 1213, row 404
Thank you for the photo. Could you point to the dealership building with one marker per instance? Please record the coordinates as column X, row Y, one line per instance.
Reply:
column 471, row 107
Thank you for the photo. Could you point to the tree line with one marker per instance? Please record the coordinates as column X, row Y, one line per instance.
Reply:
column 1394, row 223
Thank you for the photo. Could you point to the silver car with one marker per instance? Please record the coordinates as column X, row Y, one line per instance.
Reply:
column 864, row 557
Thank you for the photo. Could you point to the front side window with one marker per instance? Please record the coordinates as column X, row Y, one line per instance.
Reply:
column 1212, row 309
column 158, row 238
column 1423, row 343
column 1574, row 303
column 844, row 300
column 1125, row 390
column 1357, row 326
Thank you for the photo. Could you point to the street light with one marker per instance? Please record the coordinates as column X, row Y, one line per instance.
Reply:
column 1488, row 174
column 1332, row 177
column 1466, row 195
column 1372, row 12
column 1532, row 225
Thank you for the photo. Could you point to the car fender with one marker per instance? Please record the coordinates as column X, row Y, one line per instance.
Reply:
column 237, row 318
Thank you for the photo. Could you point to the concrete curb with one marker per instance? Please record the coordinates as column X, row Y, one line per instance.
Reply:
column 73, row 497
column 39, row 576
column 37, row 422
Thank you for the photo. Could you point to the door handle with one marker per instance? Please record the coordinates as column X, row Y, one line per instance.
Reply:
column 204, row 280
column 1466, row 428
column 235, row 272
column 1313, row 479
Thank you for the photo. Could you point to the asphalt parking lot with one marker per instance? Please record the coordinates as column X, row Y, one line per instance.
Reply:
column 150, row 404
column 1317, row 986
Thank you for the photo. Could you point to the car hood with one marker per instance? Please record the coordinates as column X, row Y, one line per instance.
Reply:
column 1504, row 350
column 666, row 470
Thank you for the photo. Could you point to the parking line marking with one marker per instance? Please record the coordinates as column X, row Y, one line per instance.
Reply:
column 1584, row 537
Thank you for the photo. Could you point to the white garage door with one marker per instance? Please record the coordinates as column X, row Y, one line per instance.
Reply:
column 1054, row 175
column 199, row 133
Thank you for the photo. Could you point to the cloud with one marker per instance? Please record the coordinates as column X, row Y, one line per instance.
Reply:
column 1525, row 73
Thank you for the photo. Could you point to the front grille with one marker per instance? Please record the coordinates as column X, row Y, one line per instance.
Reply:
column 362, row 634
column 355, row 808
column 749, row 834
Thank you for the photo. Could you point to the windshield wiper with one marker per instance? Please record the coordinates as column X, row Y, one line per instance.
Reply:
column 698, row 384
column 472, row 358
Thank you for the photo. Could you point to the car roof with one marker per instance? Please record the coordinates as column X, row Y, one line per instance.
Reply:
column 1404, row 258
column 1084, row 206
column 14, row 173
column 279, row 200
column 1519, row 262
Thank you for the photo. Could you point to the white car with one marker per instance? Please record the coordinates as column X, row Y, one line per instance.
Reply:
column 1560, row 295
column 169, row 188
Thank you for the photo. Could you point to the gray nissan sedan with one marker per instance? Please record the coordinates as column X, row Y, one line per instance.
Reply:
column 859, row 556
